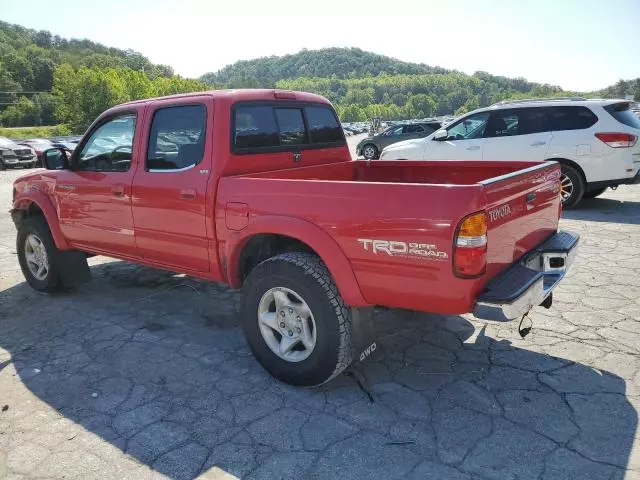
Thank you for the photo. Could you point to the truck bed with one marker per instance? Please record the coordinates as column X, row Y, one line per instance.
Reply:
column 419, row 203
column 432, row 172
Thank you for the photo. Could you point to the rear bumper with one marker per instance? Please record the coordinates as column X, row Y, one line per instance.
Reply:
column 529, row 282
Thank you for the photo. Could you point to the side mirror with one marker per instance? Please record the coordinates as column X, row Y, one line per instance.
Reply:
column 440, row 134
column 56, row 159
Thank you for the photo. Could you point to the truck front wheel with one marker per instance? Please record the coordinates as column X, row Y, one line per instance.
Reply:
column 295, row 320
column 37, row 255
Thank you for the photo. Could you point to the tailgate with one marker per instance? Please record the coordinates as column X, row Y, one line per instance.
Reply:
column 523, row 209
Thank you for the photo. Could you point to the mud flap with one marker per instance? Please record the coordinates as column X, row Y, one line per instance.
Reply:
column 73, row 268
column 363, row 338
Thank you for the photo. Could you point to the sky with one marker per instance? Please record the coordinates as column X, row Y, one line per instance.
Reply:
column 578, row 45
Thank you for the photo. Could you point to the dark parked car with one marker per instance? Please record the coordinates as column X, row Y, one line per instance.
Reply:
column 13, row 155
column 70, row 146
column 37, row 144
column 371, row 147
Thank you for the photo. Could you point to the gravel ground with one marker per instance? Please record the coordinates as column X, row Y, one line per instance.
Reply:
column 145, row 374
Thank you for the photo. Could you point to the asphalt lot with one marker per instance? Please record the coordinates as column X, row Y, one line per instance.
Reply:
column 146, row 374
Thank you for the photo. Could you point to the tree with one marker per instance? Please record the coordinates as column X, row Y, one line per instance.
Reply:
column 24, row 113
column 423, row 105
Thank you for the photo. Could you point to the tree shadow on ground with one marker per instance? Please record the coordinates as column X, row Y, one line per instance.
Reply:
column 605, row 210
column 155, row 365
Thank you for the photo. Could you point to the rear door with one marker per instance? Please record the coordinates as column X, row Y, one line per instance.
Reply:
column 523, row 209
column 170, row 202
column 464, row 141
column 517, row 134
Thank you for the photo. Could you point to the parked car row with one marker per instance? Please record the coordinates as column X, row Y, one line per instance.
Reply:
column 28, row 153
column 371, row 146
column 595, row 141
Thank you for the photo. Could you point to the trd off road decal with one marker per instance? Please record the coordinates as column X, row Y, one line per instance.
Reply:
column 395, row 248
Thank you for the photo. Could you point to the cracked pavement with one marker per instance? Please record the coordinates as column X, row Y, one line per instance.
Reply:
column 146, row 374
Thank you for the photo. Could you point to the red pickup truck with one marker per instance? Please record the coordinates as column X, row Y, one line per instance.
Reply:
column 257, row 188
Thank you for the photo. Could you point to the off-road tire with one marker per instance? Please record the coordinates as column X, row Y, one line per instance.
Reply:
column 308, row 276
column 37, row 225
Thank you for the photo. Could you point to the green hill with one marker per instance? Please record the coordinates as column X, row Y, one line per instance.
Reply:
column 328, row 62
column 45, row 79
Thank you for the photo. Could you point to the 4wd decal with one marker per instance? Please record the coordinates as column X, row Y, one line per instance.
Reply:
column 398, row 248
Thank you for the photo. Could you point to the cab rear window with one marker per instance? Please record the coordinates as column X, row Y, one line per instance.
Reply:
column 281, row 127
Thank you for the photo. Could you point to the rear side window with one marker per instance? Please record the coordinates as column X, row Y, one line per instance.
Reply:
column 323, row 125
column 177, row 137
column 282, row 127
column 622, row 113
column 570, row 118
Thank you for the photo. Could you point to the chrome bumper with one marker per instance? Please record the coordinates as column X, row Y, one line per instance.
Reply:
column 529, row 282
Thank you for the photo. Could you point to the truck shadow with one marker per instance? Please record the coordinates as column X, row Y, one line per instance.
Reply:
column 605, row 210
column 154, row 365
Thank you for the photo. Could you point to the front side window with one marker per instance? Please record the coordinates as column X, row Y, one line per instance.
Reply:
column 110, row 146
column 413, row 129
column 394, row 131
column 502, row 123
column 177, row 137
column 469, row 128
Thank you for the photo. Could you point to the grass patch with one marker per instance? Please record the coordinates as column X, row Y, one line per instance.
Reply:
column 35, row 132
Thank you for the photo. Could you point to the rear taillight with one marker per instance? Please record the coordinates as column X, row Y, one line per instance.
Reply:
column 470, row 247
column 617, row 140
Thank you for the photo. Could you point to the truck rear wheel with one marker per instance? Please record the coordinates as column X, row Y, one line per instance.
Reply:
column 37, row 255
column 295, row 320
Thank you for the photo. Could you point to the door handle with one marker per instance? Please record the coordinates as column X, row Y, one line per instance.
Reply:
column 65, row 188
column 118, row 189
column 539, row 143
column 188, row 194
column 473, row 147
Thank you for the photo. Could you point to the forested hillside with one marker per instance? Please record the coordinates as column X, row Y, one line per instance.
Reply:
column 46, row 79
column 363, row 85
column 328, row 62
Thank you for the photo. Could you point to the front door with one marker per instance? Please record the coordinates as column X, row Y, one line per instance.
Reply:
column 464, row 141
column 517, row 134
column 94, row 197
column 170, row 196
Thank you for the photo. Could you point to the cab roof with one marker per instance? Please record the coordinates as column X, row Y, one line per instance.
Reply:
column 245, row 94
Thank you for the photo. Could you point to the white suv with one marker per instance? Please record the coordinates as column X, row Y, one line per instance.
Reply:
column 595, row 141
